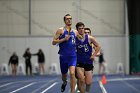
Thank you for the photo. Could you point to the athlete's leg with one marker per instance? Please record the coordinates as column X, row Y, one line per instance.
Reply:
column 72, row 78
column 64, row 79
column 64, row 70
column 88, row 76
column 72, row 60
column 100, row 67
column 88, row 80
column 78, row 89
column 81, row 79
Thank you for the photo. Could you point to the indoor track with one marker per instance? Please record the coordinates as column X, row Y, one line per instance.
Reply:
column 52, row 84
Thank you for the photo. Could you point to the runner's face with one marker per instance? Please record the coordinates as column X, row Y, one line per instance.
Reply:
column 87, row 32
column 68, row 20
column 81, row 30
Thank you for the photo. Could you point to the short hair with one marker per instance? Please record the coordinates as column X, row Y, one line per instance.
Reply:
column 65, row 16
column 87, row 29
column 28, row 49
column 79, row 24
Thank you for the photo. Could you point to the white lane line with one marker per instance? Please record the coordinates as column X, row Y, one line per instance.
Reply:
column 49, row 87
column 129, row 85
column 119, row 79
column 13, row 83
column 102, row 87
column 6, row 84
column 44, row 85
column 22, row 87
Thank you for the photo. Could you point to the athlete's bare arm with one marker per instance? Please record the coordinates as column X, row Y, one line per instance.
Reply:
column 78, row 35
column 56, row 39
column 93, row 41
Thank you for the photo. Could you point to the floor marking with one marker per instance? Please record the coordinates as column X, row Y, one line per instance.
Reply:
column 22, row 87
column 6, row 84
column 49, row 87
column 129, row 85
column 44, row 85
column 102, row 87
column 8, row 88
column 14, row 82
column 119, row 79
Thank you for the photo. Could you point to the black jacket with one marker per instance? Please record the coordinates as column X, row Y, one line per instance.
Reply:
column 27, row 56
column 13, row 60
column 41, row 57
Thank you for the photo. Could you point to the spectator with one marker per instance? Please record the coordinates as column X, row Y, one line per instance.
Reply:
column 27, row 56
column 101, row 62
column 14, row 63
column 41, row 61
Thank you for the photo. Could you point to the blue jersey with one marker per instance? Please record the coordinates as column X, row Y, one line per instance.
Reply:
column 68, row 48
column 84, row 51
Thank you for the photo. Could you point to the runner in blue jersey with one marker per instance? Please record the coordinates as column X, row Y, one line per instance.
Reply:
column 66, row 36
column 85, row 57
